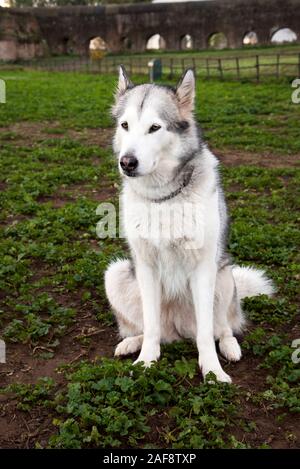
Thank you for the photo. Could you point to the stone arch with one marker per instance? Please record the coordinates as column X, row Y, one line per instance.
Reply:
column 97, row 47
column 217, row 40
column 283, row 35
column 67, row 45
column 250, row 39
column 156, row 42
column 127, row 43
column 186, row 42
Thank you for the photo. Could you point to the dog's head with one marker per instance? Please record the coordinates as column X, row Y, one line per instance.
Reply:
column 155, row 125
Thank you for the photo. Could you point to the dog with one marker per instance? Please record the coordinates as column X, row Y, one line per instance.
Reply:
column 179, row 283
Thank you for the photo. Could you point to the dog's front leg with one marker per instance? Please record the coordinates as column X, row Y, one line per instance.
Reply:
column 202, row 284
column 150, row 291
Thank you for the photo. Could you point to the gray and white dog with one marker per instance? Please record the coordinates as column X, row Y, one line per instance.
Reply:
column 180, row 282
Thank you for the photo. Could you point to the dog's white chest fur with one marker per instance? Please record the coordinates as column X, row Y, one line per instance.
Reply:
column 171, row 236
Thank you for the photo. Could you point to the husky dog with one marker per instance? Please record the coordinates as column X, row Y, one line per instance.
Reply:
column 180, row 284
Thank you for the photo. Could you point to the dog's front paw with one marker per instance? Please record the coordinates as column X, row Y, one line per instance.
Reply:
column 220, row 375
column 230, row 349
column 146, row 363
column 149, row 354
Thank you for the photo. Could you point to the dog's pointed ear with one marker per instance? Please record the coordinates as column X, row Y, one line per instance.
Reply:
column 124, row 81
column 185, row 92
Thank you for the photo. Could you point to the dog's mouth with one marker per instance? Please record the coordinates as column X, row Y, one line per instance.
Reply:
column 131, row 174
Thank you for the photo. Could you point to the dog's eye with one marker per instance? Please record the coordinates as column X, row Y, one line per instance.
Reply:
column 154, row 128
column 124, row 125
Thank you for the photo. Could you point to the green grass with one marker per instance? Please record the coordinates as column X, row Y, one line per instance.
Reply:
column 246, row 116
column 84, row 102
column 52, row 265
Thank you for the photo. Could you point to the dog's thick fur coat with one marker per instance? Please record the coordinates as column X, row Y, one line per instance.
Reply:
column 180, row 284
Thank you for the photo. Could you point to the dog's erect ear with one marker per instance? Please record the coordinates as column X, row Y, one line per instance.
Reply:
column 124, row 82
column 185, row 92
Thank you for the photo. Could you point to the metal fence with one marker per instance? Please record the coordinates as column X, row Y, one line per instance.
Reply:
column 256, row 66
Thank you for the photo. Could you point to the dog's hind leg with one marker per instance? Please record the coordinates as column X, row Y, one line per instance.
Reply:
column 226, row 312
column 123, row 293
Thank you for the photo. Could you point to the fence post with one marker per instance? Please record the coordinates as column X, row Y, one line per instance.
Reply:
column 220, row 68
column 237, row 67
column 257, row 68
column 194, row 66
column 207, row 68
column 171, row 68
column 277, row 66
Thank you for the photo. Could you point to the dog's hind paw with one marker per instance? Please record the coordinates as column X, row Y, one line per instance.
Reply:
column 230, row 349
column 129, row 345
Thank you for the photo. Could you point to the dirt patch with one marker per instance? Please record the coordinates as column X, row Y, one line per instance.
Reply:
column 73, row 192
column 276, row 433
column 101, row 137
column 265, row 160
column 12, row 220
column 30, row 133
column 21, row 430
column 24, row 363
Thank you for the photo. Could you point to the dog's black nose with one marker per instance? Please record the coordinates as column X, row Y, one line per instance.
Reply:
column 128, row 163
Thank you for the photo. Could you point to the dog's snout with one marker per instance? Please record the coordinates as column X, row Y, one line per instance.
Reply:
column 128, row 163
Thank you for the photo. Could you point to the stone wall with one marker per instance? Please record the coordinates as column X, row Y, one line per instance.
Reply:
column 20, row 35
column 69, row 29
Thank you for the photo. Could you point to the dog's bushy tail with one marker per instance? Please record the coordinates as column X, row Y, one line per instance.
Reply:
column 251, row 282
